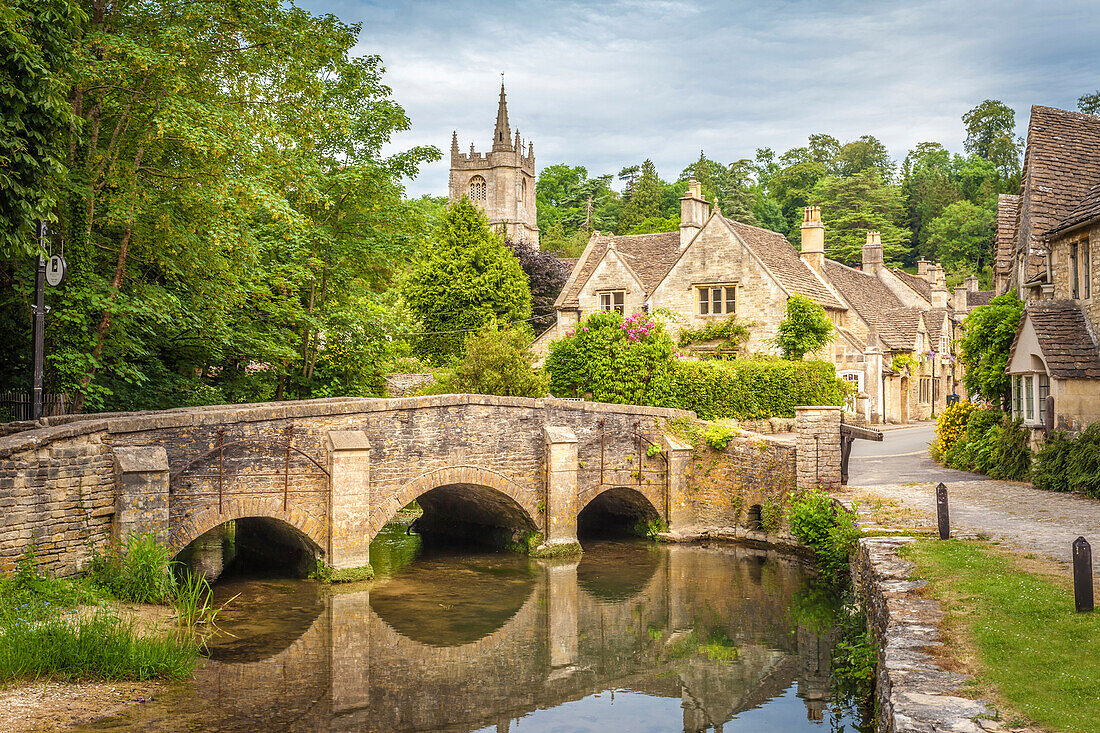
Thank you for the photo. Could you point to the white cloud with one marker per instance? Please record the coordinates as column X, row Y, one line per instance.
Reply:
column 605, row 84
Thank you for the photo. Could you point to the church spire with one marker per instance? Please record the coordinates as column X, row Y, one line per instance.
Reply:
column 502, row 135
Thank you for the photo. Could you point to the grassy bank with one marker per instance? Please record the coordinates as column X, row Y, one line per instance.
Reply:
column 75, row 629
column 1016, row 630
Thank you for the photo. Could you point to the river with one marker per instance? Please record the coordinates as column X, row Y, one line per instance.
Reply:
column 634, row 636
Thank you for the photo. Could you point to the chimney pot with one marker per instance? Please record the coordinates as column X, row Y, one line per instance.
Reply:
column 872, row 252
column 813, row 238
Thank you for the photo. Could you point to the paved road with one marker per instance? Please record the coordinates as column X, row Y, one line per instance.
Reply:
column 895, row 481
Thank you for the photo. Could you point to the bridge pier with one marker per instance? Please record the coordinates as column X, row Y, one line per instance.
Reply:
column 678, row 511
column 561, row 487
column 141, row 504
column 349, row 499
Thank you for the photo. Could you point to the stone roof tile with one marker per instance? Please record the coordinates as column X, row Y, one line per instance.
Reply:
column 975, row 298
column 1063, row 333
column 1086, row 211
column 870, row 298
column 650, row 256
column 922, row 287
column 1008, row 207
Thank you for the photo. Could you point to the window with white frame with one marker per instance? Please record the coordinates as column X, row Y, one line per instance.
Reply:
column 716, row 300
column 612, row 300
column 943, row 344
column 1029, row 395
column 920, row 342
column 477, row 189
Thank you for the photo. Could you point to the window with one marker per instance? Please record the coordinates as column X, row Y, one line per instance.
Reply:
column 943, row 344
column 477, row 189
column 612, row 300
column 715, row 300
column 920, row 342
column 1086, row 271
column 924, row 392
column 1073, row 279
column 1029, row 397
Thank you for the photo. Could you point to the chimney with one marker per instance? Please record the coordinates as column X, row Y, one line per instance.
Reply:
column 872, row 253
column 813, row 238
column 694, row 211
column 922, row 268
column 958, row 299
column 937, row 274
column 939, row 296
column 971, row 283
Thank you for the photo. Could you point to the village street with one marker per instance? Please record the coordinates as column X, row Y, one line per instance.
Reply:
column 894, row 482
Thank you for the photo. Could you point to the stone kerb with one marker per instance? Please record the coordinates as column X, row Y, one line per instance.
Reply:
column 818, row 447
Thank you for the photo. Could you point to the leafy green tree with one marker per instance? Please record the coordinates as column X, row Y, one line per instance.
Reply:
column 615, row 359
column 962, row 235
column 850, row 207
column 859, row 155
column 991, row 134
column 1089, row 103
column 467, row 278
column 654, row 224
column 988, row 332
column 36, row 48
column 645, row 201
column 805, row 328
column 498, row 361
column 927, row 187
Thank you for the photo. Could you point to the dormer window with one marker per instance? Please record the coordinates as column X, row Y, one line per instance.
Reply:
column 477, row 189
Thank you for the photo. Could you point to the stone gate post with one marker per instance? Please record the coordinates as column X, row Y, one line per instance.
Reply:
column 818, row 447
column 561, row 485
column 349, row 498
column 141, row 505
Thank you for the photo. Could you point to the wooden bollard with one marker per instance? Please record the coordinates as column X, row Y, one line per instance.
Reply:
column 1082, row 575
column 941, row 512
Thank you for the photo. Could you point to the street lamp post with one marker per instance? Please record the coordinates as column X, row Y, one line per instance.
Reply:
column 38, row 329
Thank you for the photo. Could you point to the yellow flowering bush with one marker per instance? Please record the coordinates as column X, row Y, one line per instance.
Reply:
column 951, row 427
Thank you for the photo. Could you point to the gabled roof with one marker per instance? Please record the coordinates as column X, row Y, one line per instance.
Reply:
column 975, row 298
column 916, row 283
column 871, row 299
column 649, row 256
column 783, row 260
column 1063, row 334
column 934, row 323
column 900, row 327
column 1061, row 166
column 1083, row 213
column 1008, row 208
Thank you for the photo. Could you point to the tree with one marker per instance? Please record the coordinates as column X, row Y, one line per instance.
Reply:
column 927, row 187
column 850, row 207
column 805, row 328
column 962, row 236
column 1089, row 103
column 990, row 133
column 546, row 275
column 646, row 199
column 36, row 48
column 466, row 279
column 498, row 361
column 988, row 332
column 859, row 155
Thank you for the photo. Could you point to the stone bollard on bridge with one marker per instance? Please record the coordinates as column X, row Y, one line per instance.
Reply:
column 349, row 508
column 561, row 509
column 818, row 447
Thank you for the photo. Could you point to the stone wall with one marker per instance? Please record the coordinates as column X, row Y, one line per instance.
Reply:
column 818, row 460
column 912, row 692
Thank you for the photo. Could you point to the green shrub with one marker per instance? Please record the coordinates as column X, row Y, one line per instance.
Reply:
column 753, row 389
column 951, row 427
column 1050, row 470
column 498, row 361
column 139, row 572
column 975, row 451
column 771, row 514
column 1084, row 462
column 718, row 436
column 821, row 523
column 1011, row 452
column 615, row 359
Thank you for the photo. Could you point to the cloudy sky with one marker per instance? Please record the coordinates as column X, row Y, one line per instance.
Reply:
column 606, row 84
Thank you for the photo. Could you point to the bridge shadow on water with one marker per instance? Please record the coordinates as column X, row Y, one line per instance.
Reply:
column 693, row 637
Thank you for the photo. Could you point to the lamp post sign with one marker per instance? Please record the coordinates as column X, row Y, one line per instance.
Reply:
column 50, row 271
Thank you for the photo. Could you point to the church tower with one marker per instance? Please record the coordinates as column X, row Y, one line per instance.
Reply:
column 501, row 182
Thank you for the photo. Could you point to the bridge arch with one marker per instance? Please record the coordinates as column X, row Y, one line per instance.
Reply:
column 302, row 522
column 615, row 510
column 477, row 493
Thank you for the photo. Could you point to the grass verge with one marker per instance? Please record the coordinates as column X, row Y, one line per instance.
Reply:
column 1031, row 652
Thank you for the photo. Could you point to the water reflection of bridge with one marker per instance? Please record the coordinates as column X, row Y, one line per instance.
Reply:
column 353, row 670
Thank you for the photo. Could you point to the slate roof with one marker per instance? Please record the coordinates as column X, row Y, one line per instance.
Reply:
column 650, row 256
column 1086, row 211
column 975, row 298
column 933, row 323
column 1008, row 207
column 783, row 260
column 872, row 300
column 922, row 287
column 1064, row 338
column 1061, row 166
column 900, row 327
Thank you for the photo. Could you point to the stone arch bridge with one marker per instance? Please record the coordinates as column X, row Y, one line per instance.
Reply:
column 335, row 471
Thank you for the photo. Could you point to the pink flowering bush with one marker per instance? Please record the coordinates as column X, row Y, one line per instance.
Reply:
column 615, row 359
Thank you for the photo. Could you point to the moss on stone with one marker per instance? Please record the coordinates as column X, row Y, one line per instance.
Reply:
column 565, row 549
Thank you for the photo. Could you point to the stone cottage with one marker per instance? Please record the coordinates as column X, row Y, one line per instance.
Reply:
column 895, row 330
column 1047, row 257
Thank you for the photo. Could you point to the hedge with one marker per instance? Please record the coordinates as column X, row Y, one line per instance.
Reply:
column 753, row 389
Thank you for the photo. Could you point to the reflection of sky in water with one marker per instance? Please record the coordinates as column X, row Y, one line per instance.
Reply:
column 641, row 713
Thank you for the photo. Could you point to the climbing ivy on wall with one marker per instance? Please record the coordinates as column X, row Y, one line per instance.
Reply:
column 730, row 331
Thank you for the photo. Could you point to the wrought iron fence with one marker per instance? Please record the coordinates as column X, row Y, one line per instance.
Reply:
column 18, row 406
